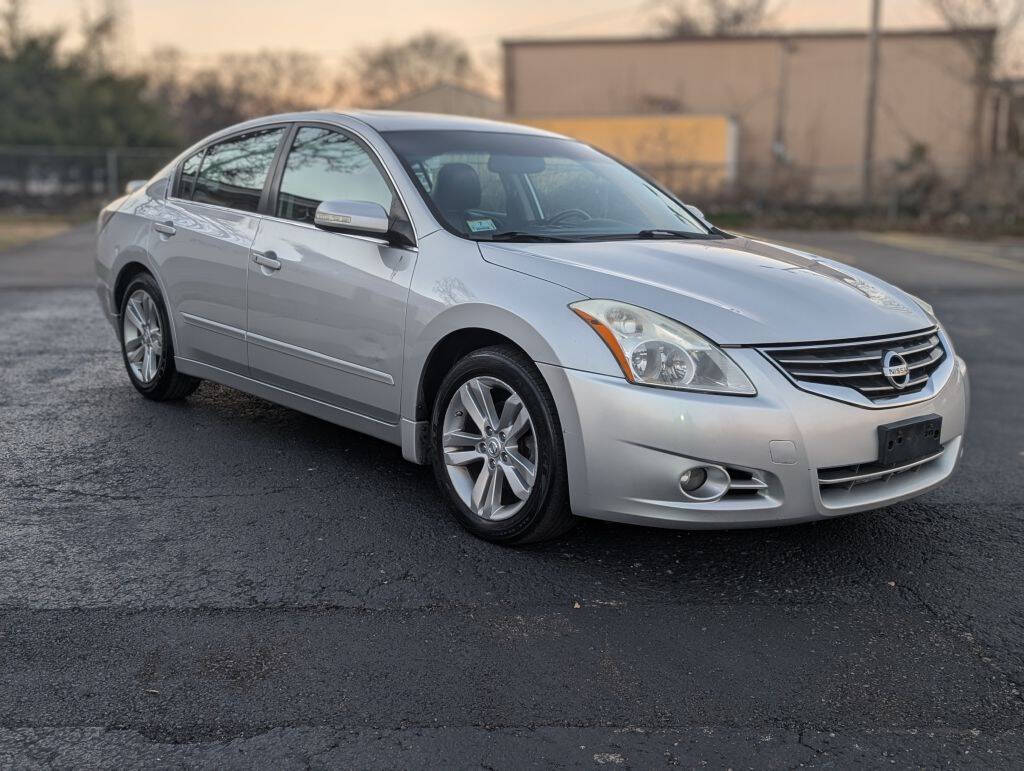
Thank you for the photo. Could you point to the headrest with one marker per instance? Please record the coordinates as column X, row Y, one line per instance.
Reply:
column 457, row 187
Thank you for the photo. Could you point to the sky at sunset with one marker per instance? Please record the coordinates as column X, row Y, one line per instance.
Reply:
column 204, row 28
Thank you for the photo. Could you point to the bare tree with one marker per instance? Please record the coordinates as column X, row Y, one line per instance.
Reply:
column 964, row 15
column 390, row 71
column 970, row 18
column 279, row 81
column 13, row 17
column 102, row 44
column 239, row 86
column 682, row 18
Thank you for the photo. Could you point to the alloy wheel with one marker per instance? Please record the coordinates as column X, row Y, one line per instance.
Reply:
column 143, row 337
column 490, row 448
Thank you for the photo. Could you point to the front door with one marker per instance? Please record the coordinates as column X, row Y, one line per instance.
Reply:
column 326, row 311
column 201, row 241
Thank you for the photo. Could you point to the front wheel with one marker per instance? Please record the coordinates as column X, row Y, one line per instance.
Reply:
column 497, row 449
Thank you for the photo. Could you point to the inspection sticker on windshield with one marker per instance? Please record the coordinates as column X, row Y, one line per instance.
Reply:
column 478, row 226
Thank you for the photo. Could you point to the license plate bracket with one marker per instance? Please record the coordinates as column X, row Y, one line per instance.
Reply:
column 908, row 440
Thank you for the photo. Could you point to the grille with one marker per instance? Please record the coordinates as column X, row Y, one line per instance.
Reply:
column 857, row 364
column 744, row 484
column 848, row 477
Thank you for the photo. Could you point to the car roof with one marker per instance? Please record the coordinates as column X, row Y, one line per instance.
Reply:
column 394, row 120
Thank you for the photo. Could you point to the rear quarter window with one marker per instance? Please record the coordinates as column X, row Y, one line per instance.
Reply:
column 234, row 171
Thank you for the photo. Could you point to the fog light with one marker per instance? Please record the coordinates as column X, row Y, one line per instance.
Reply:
column 704, row 484
column 693, row 479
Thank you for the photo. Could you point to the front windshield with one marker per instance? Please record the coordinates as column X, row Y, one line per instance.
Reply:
column 502, row 186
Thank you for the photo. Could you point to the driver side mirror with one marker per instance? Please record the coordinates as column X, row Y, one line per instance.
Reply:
column 364, row 218
column 352, row 217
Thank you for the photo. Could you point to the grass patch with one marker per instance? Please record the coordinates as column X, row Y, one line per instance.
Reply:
column 19, row 229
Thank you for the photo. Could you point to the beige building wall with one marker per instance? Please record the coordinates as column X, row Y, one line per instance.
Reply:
column 815, row 84
column 696, row 153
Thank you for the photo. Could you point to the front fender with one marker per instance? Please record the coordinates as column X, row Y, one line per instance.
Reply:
column 455, row 289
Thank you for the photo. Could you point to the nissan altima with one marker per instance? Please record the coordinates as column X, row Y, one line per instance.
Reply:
column 553, row 332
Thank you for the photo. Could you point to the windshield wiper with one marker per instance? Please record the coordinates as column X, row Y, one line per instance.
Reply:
column 668, row 233
column 650, row 234
column 519, row 235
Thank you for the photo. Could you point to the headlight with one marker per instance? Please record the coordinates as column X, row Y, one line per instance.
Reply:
column 657, row 351
column 925, row 306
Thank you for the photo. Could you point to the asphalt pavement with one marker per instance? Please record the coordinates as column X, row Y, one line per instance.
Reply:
column 228, row 582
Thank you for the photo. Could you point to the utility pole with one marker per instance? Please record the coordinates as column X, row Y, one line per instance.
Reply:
column 867, row 170
column 779, row 150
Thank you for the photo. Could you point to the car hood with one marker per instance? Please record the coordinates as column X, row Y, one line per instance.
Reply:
column 733, row 291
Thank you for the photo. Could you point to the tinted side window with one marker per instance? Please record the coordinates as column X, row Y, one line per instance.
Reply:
column 188, row 175
column 233, row 171
column 324, row 165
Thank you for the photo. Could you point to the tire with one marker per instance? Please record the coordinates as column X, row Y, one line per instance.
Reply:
column 463, row 452
column 146, row 345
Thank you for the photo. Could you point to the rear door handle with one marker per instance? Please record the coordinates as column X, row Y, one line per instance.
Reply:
column 167, row 230
column 264, row 259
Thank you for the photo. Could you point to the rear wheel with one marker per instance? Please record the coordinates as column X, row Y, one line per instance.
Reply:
column 146, row 343
column 497, row 449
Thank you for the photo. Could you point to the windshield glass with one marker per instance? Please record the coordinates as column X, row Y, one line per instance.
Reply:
column 500, row 186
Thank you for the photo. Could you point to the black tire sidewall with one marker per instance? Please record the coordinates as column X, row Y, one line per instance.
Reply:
column 165, row 372
column 549, row 485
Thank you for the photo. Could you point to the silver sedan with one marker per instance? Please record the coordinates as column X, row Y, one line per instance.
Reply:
column 554, row 333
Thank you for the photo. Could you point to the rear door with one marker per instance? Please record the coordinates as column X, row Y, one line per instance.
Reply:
column 201, row 244
column 329, row 321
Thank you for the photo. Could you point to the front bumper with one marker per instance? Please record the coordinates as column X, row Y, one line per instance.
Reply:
column 627, row 445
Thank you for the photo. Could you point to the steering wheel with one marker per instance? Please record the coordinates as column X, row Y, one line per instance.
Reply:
column 558, row 217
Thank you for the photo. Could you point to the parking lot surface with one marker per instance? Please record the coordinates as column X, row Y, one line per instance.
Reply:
column 224, row 581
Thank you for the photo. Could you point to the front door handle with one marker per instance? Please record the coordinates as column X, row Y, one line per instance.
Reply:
column 264, row 259
column 164, row 228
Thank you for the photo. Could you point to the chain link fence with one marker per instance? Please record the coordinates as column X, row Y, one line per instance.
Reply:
column 990, row 193
column 50, row 177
